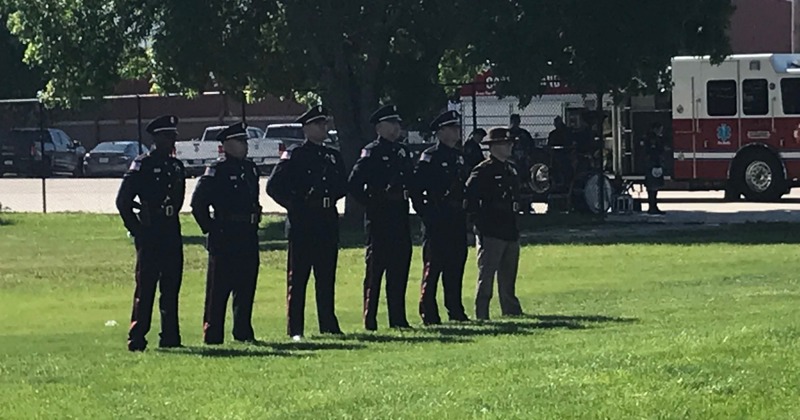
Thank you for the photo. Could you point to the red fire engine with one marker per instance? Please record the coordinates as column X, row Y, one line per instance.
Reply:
column 735, row 126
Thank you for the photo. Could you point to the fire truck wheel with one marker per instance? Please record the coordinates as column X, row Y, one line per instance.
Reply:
column 759, row 176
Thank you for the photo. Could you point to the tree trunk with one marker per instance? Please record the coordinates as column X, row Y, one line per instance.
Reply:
column 601, row 178
column 351, row 102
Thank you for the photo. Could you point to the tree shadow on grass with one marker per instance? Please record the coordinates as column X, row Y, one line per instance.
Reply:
column 407, row 339
column 310, row 346
column 495, row 328
column 220, row 352
column 580, row 318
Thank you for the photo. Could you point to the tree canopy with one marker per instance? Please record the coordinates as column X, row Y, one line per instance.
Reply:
column 353, row 54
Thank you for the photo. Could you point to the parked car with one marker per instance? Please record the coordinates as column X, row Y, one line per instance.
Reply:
column 197, row 153
column 21, row 152
column 290, row 134
column 111, row 158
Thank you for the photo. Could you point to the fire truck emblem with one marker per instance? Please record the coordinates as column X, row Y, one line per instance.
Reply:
column 724, row 134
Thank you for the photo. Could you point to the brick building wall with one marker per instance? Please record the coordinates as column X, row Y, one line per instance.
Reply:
column 761, row 26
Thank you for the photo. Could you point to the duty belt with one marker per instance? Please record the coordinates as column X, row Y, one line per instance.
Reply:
column 251, row 218
column 320, row 203
column 398, row 196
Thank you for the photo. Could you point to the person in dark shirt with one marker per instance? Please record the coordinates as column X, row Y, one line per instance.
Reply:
column 473, row 154
column 380, row 181
column 158, row 181
column 654, row 147
column 307, row 182
column 491, row 192
column 438, row 197
column 230, row 186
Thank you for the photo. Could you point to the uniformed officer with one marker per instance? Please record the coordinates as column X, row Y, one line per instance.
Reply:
column 308, row 181
column 380, row 181
column 491, row 200
column 473, row 154
column 158, row 181
column 438, row 197
column 230, row 187
column 654, row 177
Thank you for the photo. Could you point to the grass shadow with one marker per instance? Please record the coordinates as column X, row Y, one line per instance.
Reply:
column 580, row 318
column 225, row 352
column 310, row 346
column 495, row 328
column 407, row 339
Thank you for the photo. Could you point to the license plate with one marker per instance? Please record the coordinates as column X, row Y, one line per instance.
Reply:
column 103, row 160
column 8, row 162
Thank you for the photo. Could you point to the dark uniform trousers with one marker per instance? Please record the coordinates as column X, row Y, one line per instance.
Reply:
column 388, row 251
column 230, row 274
column 159, row 264
column 307, row 253
column 230, row 186
column 443, row 254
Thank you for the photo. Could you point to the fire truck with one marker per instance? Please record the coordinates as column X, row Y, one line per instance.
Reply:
column 735, row 126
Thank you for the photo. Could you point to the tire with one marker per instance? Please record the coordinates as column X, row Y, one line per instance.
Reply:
column 78, row 172
column 758, row 175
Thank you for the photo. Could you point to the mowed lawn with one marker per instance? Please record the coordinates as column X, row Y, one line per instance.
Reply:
column 704, row 325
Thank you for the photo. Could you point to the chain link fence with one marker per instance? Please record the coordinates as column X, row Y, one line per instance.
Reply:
column 43, row 149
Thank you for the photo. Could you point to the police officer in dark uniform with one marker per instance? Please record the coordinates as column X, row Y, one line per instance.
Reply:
column 380, row 181
column 654, row 177
column 158, row 181
column 230, row 187
column 491, row 192
column 438, row 197
column 308, row 181
column 473, row 154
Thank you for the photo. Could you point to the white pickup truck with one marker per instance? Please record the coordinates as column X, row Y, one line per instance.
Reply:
column 197, row 153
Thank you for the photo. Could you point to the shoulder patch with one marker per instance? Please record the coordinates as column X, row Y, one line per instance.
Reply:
column 425, row 157
column 210, row 171
column 365, row 152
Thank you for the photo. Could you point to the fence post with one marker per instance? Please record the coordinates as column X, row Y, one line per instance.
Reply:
column 41, row 144
column 139, row 122
column 244, row 107
column 474, row 106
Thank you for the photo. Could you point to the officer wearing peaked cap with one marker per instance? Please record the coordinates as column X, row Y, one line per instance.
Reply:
column 380, row 181
column 158, row 181
column 308, row 181
column 438, row 197
column 492, row 190
column 230, row 187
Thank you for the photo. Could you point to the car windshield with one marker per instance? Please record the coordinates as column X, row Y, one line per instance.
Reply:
column 285, row 132
column 114, row 147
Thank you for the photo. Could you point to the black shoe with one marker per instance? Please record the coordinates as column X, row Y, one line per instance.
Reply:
column 656, row 211
column 213, row 342
column 460, row 318
column 177, row 345
column 436, row 321
column 137, row 346
column 404, row 326
column 248, row 340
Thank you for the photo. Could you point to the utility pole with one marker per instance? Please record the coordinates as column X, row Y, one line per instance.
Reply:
column 795, row 26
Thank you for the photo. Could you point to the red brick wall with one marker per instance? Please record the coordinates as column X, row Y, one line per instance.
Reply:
column 761, row 26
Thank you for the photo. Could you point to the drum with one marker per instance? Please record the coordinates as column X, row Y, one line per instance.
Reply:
column 585, row 196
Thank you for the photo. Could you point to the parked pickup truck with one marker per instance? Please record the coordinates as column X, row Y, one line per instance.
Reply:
column 197, row 153
column 291, row 134
column 21, row 152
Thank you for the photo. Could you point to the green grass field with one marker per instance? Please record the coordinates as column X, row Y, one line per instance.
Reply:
column 699, row 324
